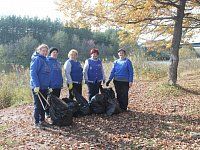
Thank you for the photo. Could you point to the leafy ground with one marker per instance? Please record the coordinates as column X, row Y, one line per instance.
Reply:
column 160, row 117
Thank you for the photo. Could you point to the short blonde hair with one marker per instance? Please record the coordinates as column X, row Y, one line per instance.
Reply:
column 41, row 46
column 71, row 52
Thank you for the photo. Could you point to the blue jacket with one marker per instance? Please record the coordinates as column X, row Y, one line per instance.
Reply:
column 39, row 72
column 76, row 71
column 95, row 70
column 56, row 79
column 122, row 70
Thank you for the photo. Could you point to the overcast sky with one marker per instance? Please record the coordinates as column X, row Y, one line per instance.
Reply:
column 32, row 8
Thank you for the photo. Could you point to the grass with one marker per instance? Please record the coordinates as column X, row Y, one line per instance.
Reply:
column 188, row 82
column 168, row 90
column 14, row 89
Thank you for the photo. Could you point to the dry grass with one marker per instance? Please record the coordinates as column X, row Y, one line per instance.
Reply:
column 14, row 88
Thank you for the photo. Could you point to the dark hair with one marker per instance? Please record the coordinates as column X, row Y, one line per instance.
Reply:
column 121, row 49
column 52, row 49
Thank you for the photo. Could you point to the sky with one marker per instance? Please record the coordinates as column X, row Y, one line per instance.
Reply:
column 39, row 8
column 31, row 8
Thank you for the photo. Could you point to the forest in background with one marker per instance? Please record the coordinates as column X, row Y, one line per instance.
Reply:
column 20, row 36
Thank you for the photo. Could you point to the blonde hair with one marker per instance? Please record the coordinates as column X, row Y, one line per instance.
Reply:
column 41, row 46
column 71, row 52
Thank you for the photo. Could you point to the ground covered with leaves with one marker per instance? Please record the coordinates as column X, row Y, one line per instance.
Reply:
column 159, row 117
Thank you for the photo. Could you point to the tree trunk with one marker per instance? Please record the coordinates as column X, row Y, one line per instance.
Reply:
column 177, row 35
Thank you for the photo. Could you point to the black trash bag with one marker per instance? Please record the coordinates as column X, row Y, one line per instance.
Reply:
column 72, row 104
column 98, row 104
column 60, row 113
column 112, row 104
column 108, row 93
column 112, row 107
column 84, row 108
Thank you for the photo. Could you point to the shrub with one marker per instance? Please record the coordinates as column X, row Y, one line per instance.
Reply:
column 14, row 89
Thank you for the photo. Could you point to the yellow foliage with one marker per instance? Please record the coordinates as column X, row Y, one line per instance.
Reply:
column 133, row 16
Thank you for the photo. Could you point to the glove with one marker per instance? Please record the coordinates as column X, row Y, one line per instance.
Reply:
column 70, row 86
column 50, row 90
column 108, row 82
column 36, row 90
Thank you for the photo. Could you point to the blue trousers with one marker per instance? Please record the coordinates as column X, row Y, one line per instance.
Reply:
column 122, row 89
column 93, row 89
column 39, row 112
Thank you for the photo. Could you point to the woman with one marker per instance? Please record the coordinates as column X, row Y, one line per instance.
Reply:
column 122, row 73
column 74, row 73
column 56, row 79
column 93, row 73
column 39, row 81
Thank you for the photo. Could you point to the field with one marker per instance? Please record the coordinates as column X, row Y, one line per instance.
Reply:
column 159, row 117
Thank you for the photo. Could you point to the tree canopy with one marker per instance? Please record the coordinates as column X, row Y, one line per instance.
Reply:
column 139, row 17
column 20, row 36
column 171, row 20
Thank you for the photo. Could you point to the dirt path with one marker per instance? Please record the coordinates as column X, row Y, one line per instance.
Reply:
column 152, row 123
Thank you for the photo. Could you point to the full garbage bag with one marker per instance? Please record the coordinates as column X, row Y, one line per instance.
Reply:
column 84, row 108
column 60, row 112
column 98, row 104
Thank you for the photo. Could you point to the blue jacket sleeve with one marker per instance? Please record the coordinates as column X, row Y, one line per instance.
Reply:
column 112, row 73
column 130, row 70
column 34, row 67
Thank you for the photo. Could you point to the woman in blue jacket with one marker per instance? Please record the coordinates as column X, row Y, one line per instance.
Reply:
column 39, row 82
column 122, row 75
column 74, row 73
column 93, row 73
column 56, row 79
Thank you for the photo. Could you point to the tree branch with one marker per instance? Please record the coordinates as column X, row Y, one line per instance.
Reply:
column 194, row 19
column 150, row 19
column 168, row 2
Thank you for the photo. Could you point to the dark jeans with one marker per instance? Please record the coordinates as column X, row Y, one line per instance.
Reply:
column 77, row 87
column 39, row 112
column 56, row 92
column 93, row 89
column 122, row 89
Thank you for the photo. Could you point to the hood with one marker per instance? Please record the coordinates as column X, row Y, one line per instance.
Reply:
column 36, row 54
column 51, row 58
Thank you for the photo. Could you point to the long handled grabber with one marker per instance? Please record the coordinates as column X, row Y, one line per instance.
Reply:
column 40, row 94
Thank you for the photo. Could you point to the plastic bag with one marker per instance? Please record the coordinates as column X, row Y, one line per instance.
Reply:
column 60, row 112
column 98, row 104
column 112, row 107
column 84, row 108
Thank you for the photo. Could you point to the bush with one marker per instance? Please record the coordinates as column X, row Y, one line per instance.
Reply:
column 14, row 89
column 5, row 97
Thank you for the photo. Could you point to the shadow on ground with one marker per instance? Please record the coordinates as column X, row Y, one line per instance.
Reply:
column 134, row 130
